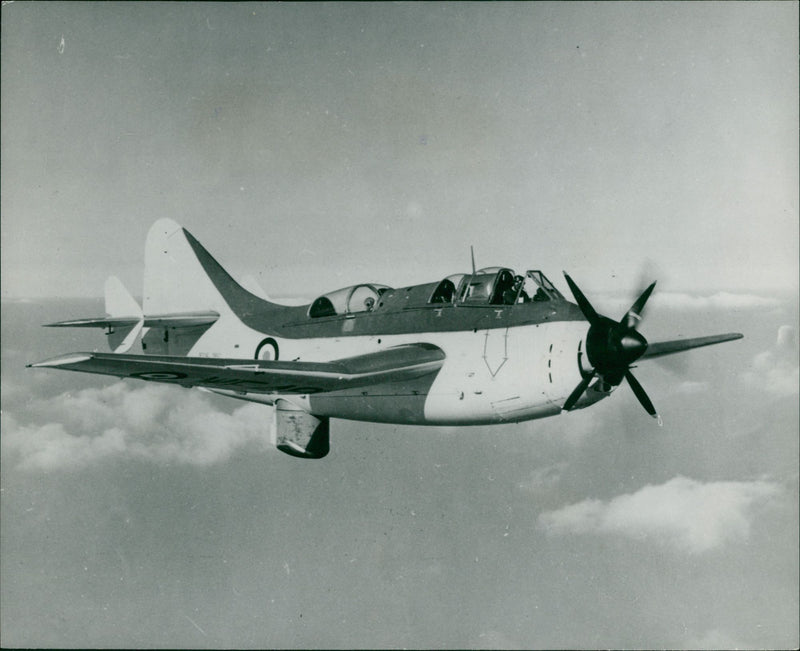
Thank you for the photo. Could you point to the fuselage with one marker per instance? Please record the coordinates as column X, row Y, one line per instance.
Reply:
column 503, row 363
column 509, row 355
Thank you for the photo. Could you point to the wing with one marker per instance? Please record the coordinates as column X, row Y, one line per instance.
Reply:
column 258, row 376
column 661, row 348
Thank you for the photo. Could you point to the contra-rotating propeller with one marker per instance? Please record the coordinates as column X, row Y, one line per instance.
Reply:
column 612, row 347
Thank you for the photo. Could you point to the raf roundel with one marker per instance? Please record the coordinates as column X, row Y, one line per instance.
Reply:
column 159, row 376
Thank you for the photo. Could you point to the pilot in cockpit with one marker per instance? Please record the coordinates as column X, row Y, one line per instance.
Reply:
column 523, row 297
column 516, row 293
column 540, row 295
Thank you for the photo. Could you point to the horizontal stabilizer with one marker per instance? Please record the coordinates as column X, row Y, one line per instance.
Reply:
column 97, row 322
column 661, row 348
column 399, row 363
column 182, row 320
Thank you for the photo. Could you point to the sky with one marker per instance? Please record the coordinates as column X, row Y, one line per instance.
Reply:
column 319, row 145
column 311, row 146
column 146, row 516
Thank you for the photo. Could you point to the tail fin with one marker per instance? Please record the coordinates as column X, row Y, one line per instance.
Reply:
column 180, row 276
column 182, row 279
column 186, row 292
column 174, row 280
column 120, row 304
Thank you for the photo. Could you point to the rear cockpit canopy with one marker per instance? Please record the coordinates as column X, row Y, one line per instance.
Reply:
column 349, row 300
column 446, row 290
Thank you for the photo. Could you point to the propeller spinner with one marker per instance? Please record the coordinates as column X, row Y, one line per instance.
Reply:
column 612, row 347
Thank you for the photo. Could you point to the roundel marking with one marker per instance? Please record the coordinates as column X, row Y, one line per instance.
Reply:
column 264, row 354
column 159, row 375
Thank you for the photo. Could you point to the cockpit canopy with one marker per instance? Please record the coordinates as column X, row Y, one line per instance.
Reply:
column 488, row 286
column 349, row 300
column 495, row 286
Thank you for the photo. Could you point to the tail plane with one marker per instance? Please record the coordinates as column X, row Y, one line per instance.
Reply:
column 185, row 292
column 123, row 321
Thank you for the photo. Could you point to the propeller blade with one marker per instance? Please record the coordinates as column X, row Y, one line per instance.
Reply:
column 583, row 303
column 640, row 394
column 634, row 315
column 577, row 392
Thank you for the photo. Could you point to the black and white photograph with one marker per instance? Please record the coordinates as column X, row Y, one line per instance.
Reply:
column 375, row 325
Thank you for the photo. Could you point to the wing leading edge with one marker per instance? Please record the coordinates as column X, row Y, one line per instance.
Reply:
column 257, row 376
column 661, row 348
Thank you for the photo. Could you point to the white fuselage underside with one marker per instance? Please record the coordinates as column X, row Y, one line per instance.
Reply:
column 489, row 376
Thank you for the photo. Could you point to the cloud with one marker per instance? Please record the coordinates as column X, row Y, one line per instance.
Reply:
column 720, row 300
column 544, row 478
column 692, row 516
column 153, row 422
column 776, row 371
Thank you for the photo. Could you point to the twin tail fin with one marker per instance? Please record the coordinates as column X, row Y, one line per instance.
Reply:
column 123, row 321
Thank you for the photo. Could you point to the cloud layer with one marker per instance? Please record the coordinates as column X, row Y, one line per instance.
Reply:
column 720, row 300
column 151, row 422
column 776, row 371
column 691, row 515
